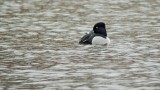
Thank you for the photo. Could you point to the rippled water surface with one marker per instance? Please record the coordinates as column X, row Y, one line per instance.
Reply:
column 39, row 45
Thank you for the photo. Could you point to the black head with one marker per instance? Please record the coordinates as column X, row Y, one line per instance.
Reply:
column 100, row 28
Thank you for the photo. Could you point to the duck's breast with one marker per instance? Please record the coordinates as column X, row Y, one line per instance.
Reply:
column 98, row 40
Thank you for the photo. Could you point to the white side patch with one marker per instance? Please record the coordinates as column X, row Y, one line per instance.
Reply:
column 98, row 40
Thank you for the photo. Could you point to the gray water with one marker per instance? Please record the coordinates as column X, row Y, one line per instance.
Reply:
column 39, row 47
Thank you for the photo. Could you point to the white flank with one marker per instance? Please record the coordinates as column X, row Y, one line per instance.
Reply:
column 98, row 40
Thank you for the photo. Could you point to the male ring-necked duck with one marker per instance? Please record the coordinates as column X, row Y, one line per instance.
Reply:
column 98, row 36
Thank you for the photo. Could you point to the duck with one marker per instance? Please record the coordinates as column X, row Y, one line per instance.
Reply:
column 97, row 36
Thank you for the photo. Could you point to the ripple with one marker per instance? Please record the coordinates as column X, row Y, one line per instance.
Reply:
column 39, row 45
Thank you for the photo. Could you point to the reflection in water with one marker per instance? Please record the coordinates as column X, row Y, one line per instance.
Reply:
column 39, row 45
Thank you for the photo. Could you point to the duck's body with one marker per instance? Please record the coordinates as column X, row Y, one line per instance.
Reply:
column 98, row 40
column 98, row 36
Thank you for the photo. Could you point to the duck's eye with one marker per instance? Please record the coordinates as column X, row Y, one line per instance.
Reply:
column 96, row 27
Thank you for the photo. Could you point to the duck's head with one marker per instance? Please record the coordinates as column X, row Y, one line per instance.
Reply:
column 100, row 28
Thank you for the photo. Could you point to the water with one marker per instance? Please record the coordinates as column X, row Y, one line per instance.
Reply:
column 39, row 45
